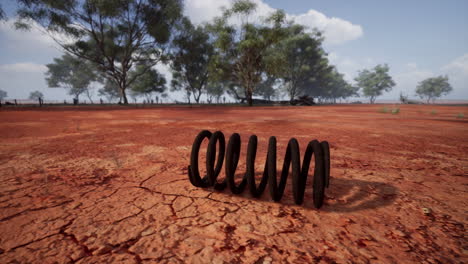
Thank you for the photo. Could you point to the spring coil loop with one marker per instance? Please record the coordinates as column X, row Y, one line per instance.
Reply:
column 320, row 151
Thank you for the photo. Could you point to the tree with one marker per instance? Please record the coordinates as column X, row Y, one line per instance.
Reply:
column 214, row 90
column 115, row 35
column 72, row 73
column 191, row 57
column 148, row 83
column 240, row 50
column 2, row 13
column 297, row 60
column 432, row 88
column 36, row 95
column 334, row 86
column 375, row 82
column 110, row 90
column 266, row 88
column 3, row 95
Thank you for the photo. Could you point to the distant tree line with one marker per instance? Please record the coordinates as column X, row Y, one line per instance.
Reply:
column 116, row 45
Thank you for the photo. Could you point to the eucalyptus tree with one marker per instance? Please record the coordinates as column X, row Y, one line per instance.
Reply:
column 297, row 60
column 336, row 87
column 191, row 55
column 2, row 13
column 72, row 73
column 374, row 82
column 214, row 90
column 36, row 95
column 115, row 35
column 110, row 90
column 266, row 88
column 241, row 49
column 147, row 83
column 3, row 95
column 432, row 88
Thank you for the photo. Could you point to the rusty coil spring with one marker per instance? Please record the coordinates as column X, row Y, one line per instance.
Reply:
column 321, row 151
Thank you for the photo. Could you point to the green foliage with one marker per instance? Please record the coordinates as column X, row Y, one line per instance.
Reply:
column 434, row 112
column 3, row 95
column 110, row 90
column 2, row 13
column 240, row 51
column 191, row 57
column 265, row 88
column 331, row 85
column 460, row 115
column 114, row 35
column 149, row 81
column 374, row 82
column 72, row 73
column 383, row 110
column 214, row 90
column 297, row 60
column 433, row 88
column 393, row 110
column 36, row 95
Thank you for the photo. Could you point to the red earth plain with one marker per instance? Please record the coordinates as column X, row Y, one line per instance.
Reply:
column 110, row 185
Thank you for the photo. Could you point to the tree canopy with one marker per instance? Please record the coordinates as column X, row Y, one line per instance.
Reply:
column 240, row 50
column 432, row 88
column 150, row 82
column 3, row 95
column 374, row 82
column 115, row 35
column 297, row 60
column 191, row 56
column 73, row 74
column 36, row 95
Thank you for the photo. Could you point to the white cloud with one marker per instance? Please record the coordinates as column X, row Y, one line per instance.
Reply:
column 348, row 66
column 457, row 71
column 25, row 67
column 336, row 30
column 458, row 66
column 34, row 36
column 407, row 79
column 201, row 11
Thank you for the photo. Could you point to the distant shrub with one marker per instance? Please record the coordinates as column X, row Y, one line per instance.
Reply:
column 433, row 112
column 395, row 111
column 461, row 115
column 383, row 110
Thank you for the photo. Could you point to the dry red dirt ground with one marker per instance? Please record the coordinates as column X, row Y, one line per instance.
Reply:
column 110, row 186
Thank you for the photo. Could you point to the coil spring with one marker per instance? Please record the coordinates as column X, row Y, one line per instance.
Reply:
column 321, row 151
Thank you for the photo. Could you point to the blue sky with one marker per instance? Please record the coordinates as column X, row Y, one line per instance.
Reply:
column 417, row 39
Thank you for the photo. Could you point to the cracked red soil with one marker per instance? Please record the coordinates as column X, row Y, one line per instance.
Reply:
column 100, row 185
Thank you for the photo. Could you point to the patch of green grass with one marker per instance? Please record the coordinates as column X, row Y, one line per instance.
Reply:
column 395, row 111
column 433, row 112
column 461, row 115
column 383, row 110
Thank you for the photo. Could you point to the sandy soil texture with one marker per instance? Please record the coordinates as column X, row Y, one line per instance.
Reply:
column 110, row 186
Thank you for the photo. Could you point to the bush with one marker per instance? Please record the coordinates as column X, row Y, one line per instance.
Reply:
column 433, row 112
column 395, row 111
column 383, row 110
column 461, row 115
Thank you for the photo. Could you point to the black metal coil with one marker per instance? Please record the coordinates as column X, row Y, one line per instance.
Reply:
column 320, row 150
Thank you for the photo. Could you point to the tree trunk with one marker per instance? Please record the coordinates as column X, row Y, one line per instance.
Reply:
column 89, row 97
column 197, row 97
column 248, row 95
column 124, row 95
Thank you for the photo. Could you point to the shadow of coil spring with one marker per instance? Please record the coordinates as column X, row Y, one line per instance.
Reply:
column 320, row 151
